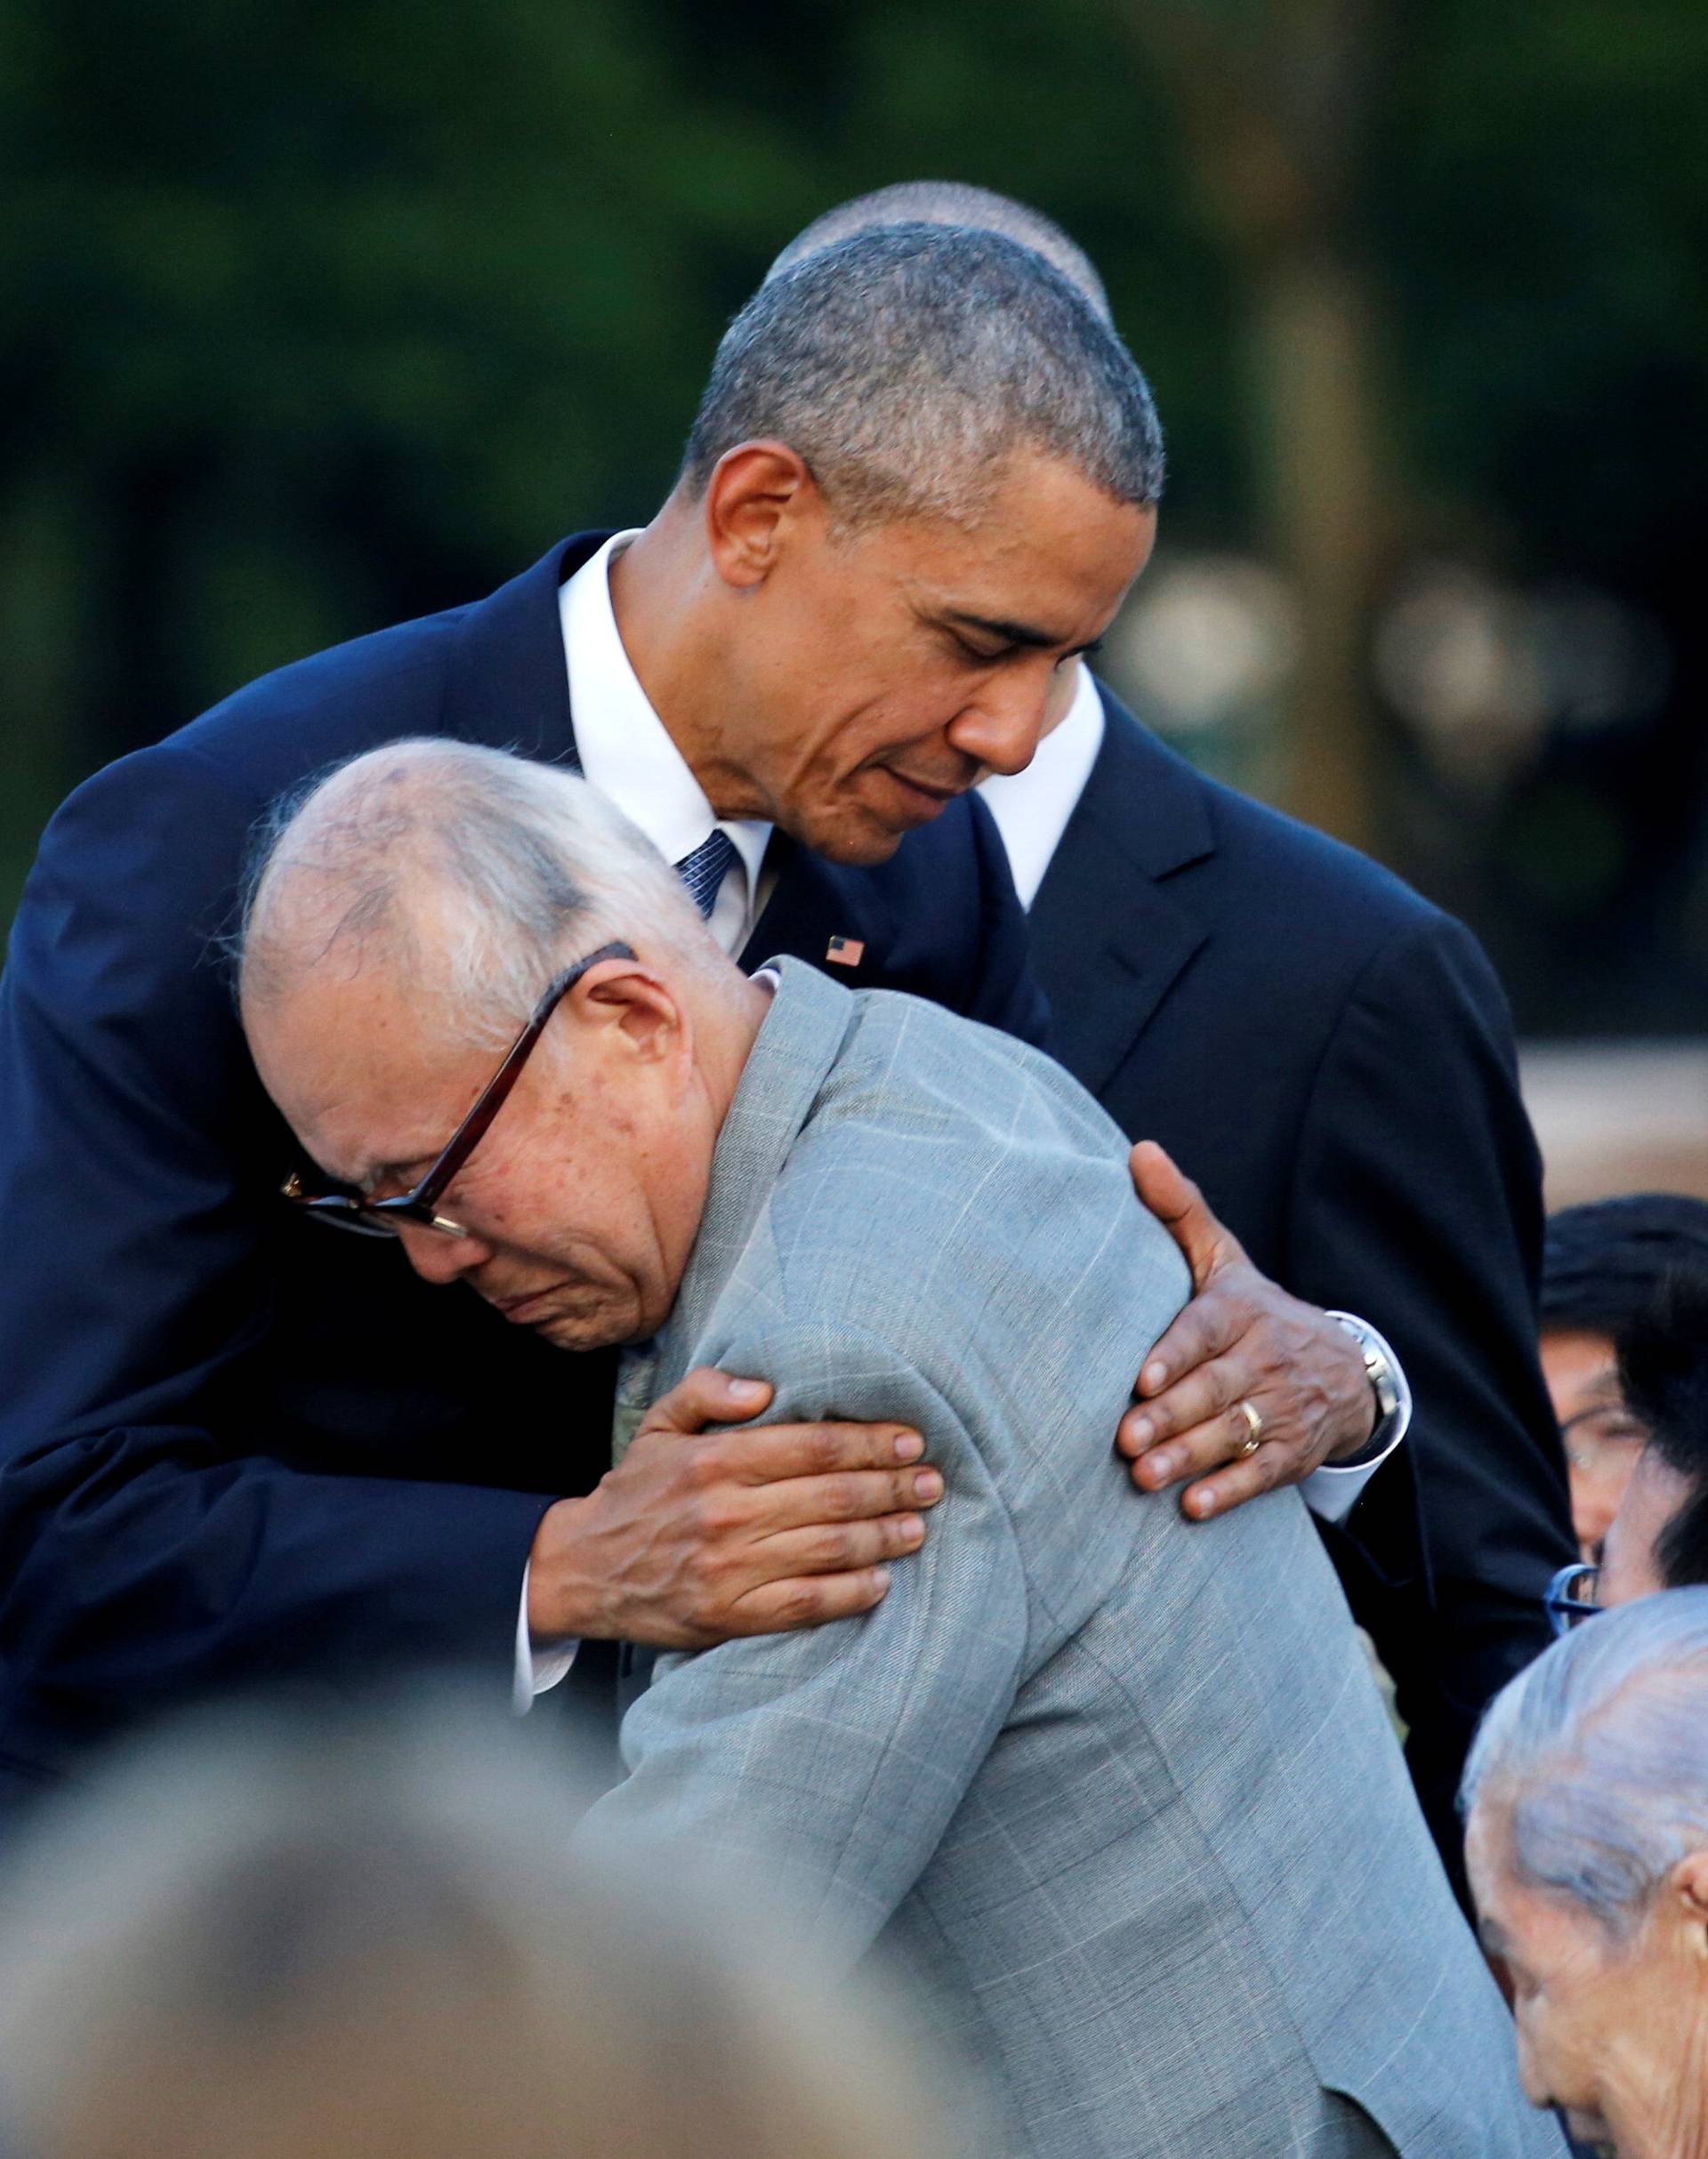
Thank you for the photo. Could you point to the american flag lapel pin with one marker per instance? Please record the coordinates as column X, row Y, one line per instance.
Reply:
column 845, row 951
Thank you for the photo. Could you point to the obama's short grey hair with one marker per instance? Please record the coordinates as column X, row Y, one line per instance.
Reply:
column 906, row 367
column 950, row 201
column 1598, row 1752
column 477, row 873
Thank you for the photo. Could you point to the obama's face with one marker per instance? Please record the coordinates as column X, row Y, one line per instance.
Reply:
column 879, row 673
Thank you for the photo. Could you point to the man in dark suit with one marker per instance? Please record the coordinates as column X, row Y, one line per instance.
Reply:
column 1332, row 1059
column 236, row 1446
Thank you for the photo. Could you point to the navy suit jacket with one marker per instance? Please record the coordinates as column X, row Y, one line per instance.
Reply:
column 1332, row 1059
column 233, row 1447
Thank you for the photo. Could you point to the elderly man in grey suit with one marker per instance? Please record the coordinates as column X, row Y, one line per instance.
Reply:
column 1118, row 1788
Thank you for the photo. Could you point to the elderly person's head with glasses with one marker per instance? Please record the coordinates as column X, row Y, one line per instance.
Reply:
column 1587, row 1838
column 499, row 1029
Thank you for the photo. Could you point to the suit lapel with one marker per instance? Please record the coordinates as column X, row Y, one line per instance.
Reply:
column 507, row 683
column 1108, row 937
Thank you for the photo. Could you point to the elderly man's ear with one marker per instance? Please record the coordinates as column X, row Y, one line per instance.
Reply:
column 1687, row 1887
column 637, row 1007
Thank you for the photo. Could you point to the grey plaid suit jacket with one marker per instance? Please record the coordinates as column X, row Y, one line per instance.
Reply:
column 1117, row 1786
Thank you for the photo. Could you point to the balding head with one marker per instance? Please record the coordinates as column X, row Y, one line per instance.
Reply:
column 1587, row 1847
column 1595, row 1759
column 473, row 874
column 949, row 202
column 404, row 918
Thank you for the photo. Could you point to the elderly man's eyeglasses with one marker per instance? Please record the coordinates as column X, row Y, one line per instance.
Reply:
column 1570, row 1598
column 383, row 1217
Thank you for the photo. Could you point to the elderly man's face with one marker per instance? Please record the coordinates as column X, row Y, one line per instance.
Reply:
column 1606, row 2027
column 583, row 1200
column 883, row 673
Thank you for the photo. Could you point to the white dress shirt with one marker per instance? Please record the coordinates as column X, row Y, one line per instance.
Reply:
column 626, row 751
column 1032, row 809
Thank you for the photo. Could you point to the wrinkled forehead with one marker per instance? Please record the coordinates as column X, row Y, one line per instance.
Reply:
column 1508, row 1910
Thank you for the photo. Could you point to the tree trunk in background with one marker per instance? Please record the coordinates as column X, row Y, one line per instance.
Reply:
column 1274, row 99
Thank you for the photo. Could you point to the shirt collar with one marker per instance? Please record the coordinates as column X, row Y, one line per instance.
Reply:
column 1032, row 807
column 624, row 749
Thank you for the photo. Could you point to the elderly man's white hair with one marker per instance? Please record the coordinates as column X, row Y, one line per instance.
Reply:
column 478, row 872
column 1599, row 1750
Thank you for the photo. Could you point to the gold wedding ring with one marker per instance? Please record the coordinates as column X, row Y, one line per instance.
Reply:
column 1254, row 1439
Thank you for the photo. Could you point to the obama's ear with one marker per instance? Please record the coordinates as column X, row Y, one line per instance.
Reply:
column 758, row 493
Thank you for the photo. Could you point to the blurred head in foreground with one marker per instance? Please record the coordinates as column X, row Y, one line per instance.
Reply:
column 295, row 1942
column 1602, row 1266
column 1587, row 1841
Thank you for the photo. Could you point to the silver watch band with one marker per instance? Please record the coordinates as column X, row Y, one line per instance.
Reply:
column 1387, row 1384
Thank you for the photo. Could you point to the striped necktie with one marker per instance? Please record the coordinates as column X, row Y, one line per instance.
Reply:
column 703, row 871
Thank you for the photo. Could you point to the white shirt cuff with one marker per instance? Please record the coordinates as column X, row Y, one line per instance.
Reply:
column 538, row 1671
column 1331, row 1492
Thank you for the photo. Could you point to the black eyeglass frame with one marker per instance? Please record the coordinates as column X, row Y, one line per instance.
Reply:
column 1565, row 1611
column 420, row 1205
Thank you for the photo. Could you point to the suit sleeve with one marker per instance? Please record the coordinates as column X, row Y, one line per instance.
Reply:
column 145, row 1548
column 1416, row 1201
column 826, row 1765
column 1006, row 994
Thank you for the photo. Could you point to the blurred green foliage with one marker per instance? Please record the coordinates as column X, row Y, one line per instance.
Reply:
column 317, row 315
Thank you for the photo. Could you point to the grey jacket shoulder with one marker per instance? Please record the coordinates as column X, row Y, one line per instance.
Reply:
column 1081, row 1745
column 958, row 1194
